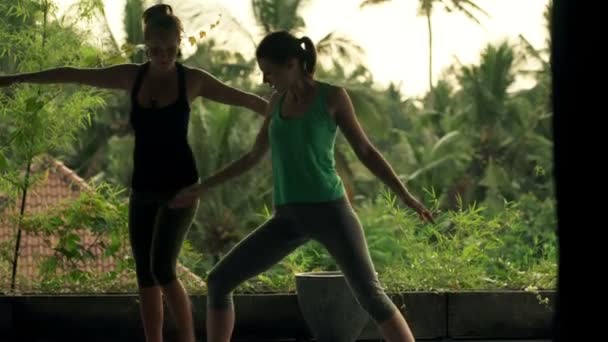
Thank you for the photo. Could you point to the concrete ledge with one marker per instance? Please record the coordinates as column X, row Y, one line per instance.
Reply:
column 432, row 316
column 271, row 316
column 426, row 313
column 72, row 317
column 516, row 314
column 6, row 318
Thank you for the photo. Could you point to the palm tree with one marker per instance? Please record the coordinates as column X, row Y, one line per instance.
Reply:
column 133, row 27
column 426, row 7
column 213, row 130
column 489, row 142
column 32, row 126
column 279, row 15
column 284, row 15
column 218, row 135
column 542, row 90
column 336, row 50
column 90, row 156
column 507, row 128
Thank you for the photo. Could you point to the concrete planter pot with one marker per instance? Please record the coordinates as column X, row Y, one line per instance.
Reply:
column 329, row 308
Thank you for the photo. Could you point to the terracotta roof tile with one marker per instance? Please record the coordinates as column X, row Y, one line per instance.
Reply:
column 59, row 184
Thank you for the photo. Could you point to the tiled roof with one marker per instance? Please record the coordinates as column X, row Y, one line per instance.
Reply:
column 58, row 184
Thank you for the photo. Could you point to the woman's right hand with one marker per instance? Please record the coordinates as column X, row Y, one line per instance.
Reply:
column 186, row 197
column 423, row 212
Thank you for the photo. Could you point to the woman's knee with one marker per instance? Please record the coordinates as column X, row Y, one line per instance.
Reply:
column 145, row 279
column 375, row 301
column 143, row 271
column 163, row 271
column 215, row 284
column 219, row 294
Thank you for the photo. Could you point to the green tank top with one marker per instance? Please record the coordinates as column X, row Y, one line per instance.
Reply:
column 302, row 153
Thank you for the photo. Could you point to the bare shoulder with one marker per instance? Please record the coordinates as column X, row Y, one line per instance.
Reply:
column 196, row 74
column 273, row 102
column 128, row 67
column 192, row 70
column 125, row 72
column 274, row 99
column 337, row 97
column 197, row 79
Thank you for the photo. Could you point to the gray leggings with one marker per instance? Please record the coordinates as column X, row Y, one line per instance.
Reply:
column 156, row 233
column 333, row 224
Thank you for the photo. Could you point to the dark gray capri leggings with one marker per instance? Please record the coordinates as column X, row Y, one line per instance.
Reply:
column 156, row 233
column 333, row 224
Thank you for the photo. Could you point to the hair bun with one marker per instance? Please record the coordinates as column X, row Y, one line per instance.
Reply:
column 157, row 11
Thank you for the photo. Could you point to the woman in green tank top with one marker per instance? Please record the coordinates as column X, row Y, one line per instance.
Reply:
column 300, row 129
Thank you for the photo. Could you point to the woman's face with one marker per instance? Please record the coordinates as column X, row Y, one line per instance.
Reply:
column 277, row 76
column 162, row 49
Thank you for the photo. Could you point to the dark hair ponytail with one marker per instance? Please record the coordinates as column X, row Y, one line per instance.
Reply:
column 161, row 16
column 278, row 47
column 309, row 54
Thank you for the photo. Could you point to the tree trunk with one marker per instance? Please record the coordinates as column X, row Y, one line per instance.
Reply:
column 431, row 97
column 21, row 213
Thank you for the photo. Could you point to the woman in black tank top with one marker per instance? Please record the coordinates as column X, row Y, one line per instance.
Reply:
column 161, row 93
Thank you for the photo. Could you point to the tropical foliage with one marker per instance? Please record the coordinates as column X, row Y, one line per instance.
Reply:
column 480, row 156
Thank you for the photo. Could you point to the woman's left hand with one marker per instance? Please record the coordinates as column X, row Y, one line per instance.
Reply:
column 186, row 197
column 423, row 212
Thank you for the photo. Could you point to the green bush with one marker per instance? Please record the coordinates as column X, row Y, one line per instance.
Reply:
column 467, row 249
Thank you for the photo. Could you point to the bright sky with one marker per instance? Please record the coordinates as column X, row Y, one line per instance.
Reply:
column 394, row 38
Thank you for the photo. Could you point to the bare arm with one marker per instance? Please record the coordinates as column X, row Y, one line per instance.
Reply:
column 243, row 164
column 113, row 77
column 366, row 152
column 214, row 89
column 187, row 196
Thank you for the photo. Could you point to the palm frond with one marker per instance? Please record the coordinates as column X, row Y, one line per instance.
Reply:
column 367, row 3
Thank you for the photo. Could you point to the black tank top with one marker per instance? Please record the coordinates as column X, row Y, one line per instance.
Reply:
column 162, row 159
